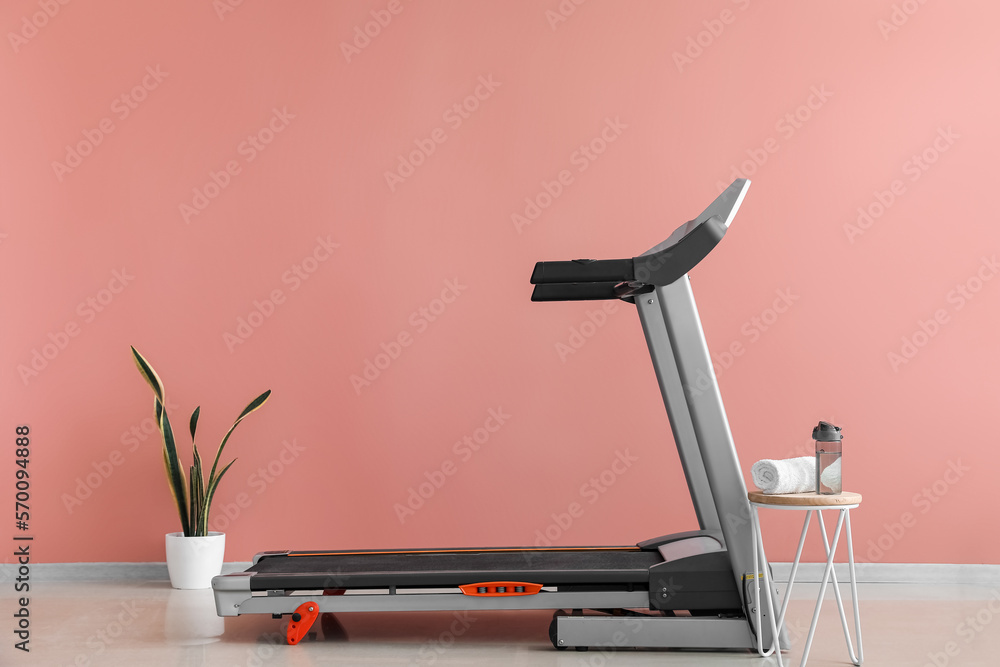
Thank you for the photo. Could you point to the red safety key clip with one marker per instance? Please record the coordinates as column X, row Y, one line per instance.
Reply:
column 302, row 621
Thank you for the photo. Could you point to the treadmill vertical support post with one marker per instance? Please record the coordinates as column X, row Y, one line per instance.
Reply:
column 662, row 353
column 690, row 390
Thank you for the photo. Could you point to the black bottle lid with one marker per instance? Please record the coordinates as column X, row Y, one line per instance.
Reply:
column 827, row 432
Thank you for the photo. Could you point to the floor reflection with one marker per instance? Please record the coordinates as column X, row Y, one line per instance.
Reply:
column 190, row 618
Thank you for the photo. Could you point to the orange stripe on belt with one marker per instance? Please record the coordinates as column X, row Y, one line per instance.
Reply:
column 447, row 551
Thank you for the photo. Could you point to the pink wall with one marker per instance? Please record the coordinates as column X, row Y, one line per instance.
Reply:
column 201, row 82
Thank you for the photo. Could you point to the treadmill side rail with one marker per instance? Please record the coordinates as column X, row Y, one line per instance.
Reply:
column 287, row 604
column 654, row 543
column 268, row 554
column 230, row 592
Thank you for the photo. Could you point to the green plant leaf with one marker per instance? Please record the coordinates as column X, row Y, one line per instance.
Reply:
column 148, row 374
column 191, row 485
column 255, row 404
column 210, row 493
column 175, row 476
column 166, row 465
column 197, row 494
column 197, row 482
column 194, row 421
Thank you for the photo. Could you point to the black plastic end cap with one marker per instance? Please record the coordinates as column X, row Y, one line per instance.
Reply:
column 537, row 272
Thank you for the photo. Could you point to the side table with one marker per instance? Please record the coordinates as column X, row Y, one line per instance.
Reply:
column 811, row 503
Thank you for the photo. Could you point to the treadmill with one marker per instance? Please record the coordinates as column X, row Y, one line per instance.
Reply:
column 686, row 590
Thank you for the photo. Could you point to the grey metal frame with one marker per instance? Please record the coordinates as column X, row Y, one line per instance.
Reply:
column 233, row 597
column 691, row 395
column 690, row 391
column 654, row 326
column 613, row 632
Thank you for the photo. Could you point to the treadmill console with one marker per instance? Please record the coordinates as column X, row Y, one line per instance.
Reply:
column 590, row 279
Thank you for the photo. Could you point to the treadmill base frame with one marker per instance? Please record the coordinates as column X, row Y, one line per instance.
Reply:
column 613, row 632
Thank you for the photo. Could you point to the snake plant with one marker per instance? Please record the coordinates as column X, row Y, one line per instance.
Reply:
column 193, row 493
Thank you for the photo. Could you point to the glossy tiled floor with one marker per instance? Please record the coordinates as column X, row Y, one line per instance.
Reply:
column 150, row 624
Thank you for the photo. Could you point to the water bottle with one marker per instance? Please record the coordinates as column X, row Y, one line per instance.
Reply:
column 828, row 452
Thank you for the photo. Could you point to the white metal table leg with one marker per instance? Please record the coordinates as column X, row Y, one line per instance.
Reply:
column 822, row 588
column 795, row 568
column 854, row 593
column 755, row 521
column 836, row 585
column 758, row 542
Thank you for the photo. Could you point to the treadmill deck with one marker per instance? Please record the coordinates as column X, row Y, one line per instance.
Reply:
column 448, row 568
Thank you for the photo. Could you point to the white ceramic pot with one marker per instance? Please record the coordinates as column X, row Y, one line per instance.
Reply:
column 193, row 561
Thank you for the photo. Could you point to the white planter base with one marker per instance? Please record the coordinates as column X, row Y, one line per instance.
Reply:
column 193, row 561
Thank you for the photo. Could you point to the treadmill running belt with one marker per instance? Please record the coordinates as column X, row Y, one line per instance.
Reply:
column 436, row 568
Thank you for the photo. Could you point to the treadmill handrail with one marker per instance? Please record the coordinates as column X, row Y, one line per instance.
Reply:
column 585, row 280
column 590, row 279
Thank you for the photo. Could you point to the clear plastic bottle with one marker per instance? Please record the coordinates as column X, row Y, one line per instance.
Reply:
column 828, row 458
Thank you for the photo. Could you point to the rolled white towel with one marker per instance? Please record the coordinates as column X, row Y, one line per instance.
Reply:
column 796, row 475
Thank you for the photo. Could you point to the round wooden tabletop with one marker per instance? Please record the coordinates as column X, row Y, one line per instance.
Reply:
column 811, row 499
